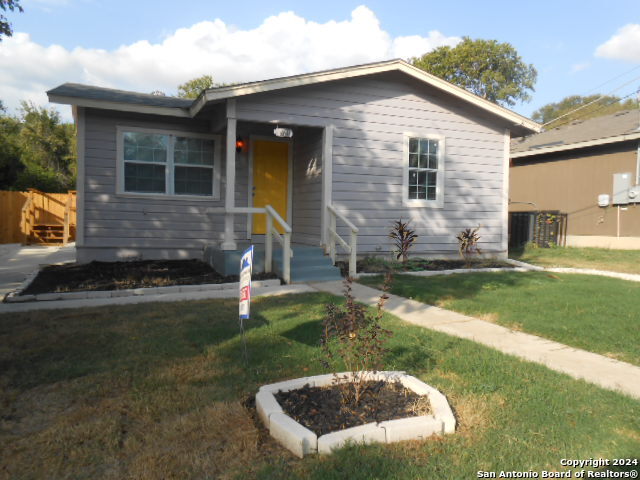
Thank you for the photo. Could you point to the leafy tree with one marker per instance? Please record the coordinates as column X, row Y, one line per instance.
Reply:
column 47, row 150
column 5, row 26
column 10, row 164
column 195, row 86
column 593, row 106
column 491, row 70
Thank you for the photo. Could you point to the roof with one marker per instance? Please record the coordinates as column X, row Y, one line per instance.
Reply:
column 617, row 127
column 83, row 95
column 100, row 97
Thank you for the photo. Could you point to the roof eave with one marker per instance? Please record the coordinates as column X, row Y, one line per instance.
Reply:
column 233, row 91
column 121, row 106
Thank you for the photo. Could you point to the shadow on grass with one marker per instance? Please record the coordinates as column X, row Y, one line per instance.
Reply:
column 50, row 346
column 307, row 333
column 431, row 290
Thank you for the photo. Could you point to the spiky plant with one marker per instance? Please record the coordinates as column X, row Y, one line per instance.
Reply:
column 468, row 243
column 403, row 238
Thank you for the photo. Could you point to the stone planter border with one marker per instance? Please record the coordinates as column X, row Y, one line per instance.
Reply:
column 301, row 441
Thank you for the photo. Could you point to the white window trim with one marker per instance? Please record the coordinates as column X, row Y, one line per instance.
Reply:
column 169, row 165
column 439, row 201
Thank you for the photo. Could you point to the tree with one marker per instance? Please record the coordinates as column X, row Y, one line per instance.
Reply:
column 10, row 164
column 195, row 86
column 47, row 151
column 5, row 26
column 592, row 106
column 491, row 70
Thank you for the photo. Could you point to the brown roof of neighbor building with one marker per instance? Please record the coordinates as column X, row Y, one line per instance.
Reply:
column 615, row 127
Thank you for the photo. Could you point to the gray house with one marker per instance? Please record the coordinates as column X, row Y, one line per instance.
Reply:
column 327, row 159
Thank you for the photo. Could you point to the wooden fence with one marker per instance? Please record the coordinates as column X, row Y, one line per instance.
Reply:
column 48, row 209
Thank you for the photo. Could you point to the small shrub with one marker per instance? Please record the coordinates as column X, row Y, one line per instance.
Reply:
column 354, row 336
column 403, row 238
column 468, row 243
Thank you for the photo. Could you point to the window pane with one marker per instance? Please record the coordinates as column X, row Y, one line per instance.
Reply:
column 433, row 147
column 193, row 151
column 413, row 145
column 424, row 160
column 145, row 147
column 433, row 161
column 431, row 193
column 413, row 160
column 413, row 177
column 413, row 192
column 424, row 145
column 422, row 193
column 422, row 179
column 193, row 181
column 431, row 179
column 142, row 178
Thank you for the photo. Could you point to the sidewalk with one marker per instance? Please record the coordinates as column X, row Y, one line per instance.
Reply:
column 17, row 261
column 605, row 372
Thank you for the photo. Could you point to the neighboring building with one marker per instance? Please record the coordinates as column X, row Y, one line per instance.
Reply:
column 587, row 169
column 162, row 177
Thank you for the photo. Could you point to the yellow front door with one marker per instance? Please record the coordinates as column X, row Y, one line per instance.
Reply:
column 270, row 180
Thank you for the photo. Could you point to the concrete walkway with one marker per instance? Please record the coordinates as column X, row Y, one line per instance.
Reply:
column 580, row 364
column 17, row 261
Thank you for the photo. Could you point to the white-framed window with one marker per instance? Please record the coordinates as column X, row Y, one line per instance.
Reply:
column 423, row 170
column 168, row 163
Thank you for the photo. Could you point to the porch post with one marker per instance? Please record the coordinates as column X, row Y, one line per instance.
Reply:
column 229, row 242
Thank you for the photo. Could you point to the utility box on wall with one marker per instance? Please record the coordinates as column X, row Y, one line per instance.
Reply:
column 621, row 186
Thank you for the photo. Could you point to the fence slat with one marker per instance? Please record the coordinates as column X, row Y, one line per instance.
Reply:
column 49, row 210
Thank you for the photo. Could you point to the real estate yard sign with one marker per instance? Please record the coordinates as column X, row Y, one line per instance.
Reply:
column 246, row 264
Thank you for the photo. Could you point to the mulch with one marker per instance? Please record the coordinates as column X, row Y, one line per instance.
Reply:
column 415, row 265
column 75, row 277
column 322, row 410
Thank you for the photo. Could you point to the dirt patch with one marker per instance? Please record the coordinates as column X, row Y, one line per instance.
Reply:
column 378, row 265
column 322, row 410
column 74, row 277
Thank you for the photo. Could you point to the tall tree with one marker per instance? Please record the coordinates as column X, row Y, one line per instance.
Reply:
column 195, row 86
column 5, row 26
column 10, row 164
column 488, row 68
column 589, row 107
column 47, row 150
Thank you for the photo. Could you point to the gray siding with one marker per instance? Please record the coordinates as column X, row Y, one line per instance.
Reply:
column 118, row 226
column 307, row 186
column 369, row 117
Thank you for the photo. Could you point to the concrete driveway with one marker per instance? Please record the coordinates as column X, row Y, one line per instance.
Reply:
column 17, row 261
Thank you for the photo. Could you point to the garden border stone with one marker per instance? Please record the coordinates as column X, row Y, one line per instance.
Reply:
column 301, row 441
column 15, row 297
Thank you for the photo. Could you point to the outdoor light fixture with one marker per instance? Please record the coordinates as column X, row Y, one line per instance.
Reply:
column 240, row 145
column 283, row 132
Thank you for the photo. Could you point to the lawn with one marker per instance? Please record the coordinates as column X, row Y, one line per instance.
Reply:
column 624, row 261
column 594, row 313
column 161, row 391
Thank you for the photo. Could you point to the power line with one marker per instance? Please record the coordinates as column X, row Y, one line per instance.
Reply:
column 591, row 103
column 612, row 79
column 593, row 111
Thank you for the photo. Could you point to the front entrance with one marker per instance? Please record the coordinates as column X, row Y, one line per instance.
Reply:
column 270, row 180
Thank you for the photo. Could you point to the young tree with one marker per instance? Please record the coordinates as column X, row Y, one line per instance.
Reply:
column 195, row 86
column 592, row 106
column 491, row 70
column 5, row 26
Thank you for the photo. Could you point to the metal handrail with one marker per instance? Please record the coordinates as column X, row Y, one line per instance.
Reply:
column 351, row 248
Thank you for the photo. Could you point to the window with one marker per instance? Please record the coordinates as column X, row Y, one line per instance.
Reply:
column 423, row 170
column 167, row 163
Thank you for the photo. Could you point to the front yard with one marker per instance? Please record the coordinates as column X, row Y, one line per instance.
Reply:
column 594, row 313
column 161, row 391
column 623, row 261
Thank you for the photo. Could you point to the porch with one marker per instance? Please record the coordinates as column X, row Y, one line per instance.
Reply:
column 279, row 186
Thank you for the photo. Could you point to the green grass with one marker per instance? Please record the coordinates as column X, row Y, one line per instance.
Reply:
column 594, row 313
column 624, row 261
column 158, row 391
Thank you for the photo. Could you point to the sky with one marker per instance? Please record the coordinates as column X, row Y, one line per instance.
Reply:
column 578, row 47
